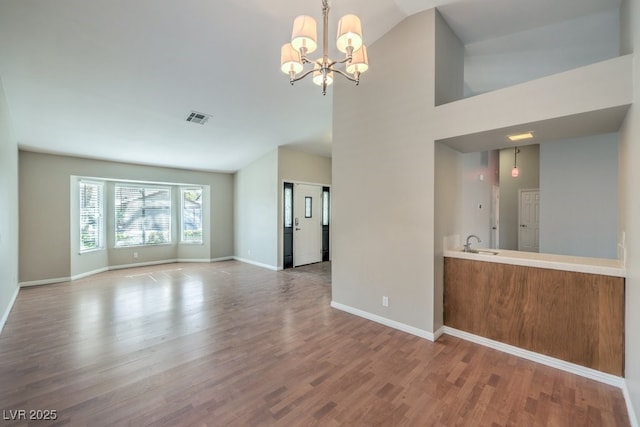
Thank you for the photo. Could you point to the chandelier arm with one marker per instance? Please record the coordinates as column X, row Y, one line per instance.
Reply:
column 302, row 76
column 343, row 74
column 345, row 60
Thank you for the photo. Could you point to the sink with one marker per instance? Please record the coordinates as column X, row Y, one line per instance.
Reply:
column 484, row 252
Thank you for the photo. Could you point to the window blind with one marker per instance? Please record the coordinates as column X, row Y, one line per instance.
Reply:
column 143, row 215
column 91, row 216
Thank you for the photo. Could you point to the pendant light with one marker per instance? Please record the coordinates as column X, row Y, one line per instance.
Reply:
column 515, row 171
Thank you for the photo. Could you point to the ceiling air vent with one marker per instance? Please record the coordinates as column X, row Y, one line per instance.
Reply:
column 199, row 118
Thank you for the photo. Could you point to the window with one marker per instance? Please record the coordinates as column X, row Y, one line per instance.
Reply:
column 307, row 207
column 143, row 215
column 325, row 206
column 91, row 216
column 288, row 205
column 191, row 215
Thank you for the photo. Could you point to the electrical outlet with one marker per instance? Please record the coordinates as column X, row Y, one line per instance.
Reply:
column 135, row 254
column 385, row 301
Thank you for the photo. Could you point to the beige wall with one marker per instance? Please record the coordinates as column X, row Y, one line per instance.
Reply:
column 46, row 252
column 298, row 166
column 449, row 63
column 256, row 196
column 383, row 180
column 449, row 214
column 8, row 212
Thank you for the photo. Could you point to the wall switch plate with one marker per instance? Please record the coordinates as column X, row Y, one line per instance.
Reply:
column 385, row 301
column 135, row 254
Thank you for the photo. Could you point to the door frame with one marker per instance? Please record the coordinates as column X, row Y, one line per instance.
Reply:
column 287, row 232
column 520, row 191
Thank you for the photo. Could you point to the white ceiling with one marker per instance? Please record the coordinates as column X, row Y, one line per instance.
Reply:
column 115, row 79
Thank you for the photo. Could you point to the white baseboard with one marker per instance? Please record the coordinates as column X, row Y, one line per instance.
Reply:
column 258, row 264
column 193, row 260
column 438, row 333
column 45, row 282
column 142, row 264
column 387, row 322
column 5, row 315
column 224, row 258
column 627, row 398
column 89, row 273
column 539, row 358
column 116, row 267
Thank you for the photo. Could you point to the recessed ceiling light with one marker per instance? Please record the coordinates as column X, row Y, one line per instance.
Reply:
column 520, row 136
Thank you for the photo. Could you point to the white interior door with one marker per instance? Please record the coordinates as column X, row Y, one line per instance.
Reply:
column 529, row 220
column 307, row 224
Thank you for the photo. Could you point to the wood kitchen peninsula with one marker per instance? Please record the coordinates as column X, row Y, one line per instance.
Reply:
column 569, row 308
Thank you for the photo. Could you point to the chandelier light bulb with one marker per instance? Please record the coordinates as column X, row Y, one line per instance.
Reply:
column 318, row 76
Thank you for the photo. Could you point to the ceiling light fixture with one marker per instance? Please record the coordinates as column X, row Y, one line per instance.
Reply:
column 515, row 171
column 520, row 136
column 293, row 56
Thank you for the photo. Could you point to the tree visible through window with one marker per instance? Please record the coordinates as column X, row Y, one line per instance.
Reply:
column 192, row 215
column 143, row 215
column 91, row 216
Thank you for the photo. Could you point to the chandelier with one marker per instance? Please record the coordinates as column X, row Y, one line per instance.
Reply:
column 293, row 56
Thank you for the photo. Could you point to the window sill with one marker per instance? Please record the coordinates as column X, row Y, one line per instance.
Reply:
column 144, row 246
column 90, row 251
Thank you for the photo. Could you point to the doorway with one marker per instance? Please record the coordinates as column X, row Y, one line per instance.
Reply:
column 529, row 220
column 306, row 224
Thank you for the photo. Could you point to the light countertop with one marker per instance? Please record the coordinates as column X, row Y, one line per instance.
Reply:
column 607, row 267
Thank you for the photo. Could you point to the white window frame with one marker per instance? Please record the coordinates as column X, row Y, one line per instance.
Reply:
column 98, row 216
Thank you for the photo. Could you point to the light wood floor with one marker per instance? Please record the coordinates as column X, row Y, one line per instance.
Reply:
column 230, row 344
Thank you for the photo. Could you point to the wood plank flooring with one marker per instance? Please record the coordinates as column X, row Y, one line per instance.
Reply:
column 230, row 344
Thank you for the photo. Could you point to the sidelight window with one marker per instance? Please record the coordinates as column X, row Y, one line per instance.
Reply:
column 91, row 216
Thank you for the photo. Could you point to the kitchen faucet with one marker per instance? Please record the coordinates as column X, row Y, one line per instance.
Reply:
column 467, row 247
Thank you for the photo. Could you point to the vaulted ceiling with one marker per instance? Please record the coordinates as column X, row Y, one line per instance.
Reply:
column 116, row 79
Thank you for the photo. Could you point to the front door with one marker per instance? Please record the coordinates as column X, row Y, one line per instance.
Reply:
column 307, row 224
column 529, row 220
